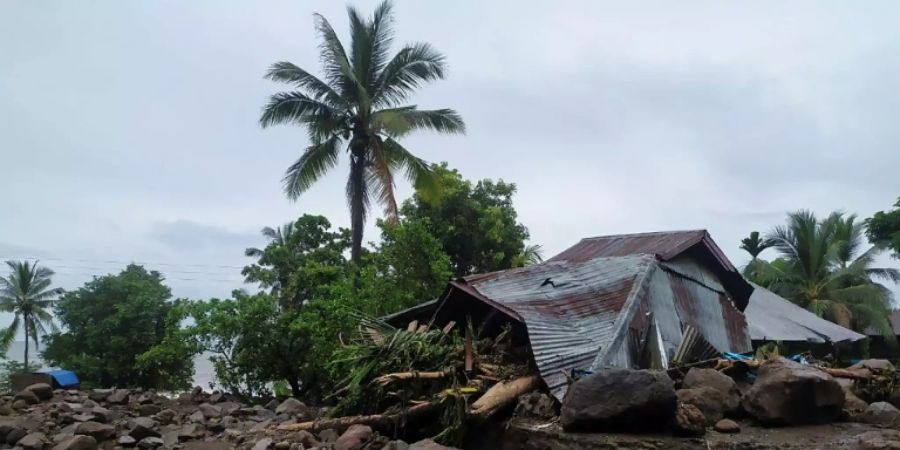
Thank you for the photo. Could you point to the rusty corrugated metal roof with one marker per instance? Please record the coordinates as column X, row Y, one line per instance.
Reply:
column 771, row 317
column 569, row 309
column 665, row 245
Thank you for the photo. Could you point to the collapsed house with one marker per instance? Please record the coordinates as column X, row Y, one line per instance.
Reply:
column 649, row 300
column 772, row 318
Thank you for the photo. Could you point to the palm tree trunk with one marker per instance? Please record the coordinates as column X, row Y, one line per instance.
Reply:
column 26, row 346
column 356, row 189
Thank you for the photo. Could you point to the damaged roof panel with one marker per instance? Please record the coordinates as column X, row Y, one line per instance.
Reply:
column 773, row 318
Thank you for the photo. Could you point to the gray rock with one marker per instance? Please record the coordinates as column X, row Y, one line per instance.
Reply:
column 710, row 401
column 272, row 405
column 170, row 439
column 143, row 427
column 216, row 397
column 882, row 413
column 204, row 445
column 102, row 414
column 536, row 405
column 354, row 438
column 197, row 417
column 79, row 442
column 307, row 439
column 711, row 378
column 119, row 397
column 99, row 395
column 229, row 408
column 148, row 409
column 150, row 443
column 20, row 404
column 875, row 365
column 878, row 440
column 191, row 431
column 127, row 441
column 262, row 444
column 261, row 426
column 28, row 397
column 33, row 441
column 293, row 407
column 97, row 430
column 15, row 434
column 789, row 393
column 210, row 411
column 43, row 391
column 396, row 445
column 619, row 400
column 428, row 444
column 328, row 435
column 165, row 416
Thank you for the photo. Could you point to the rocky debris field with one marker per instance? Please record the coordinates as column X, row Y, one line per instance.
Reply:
column 41, row 418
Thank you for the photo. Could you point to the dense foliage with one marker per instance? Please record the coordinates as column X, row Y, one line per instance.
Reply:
column 476, row 225
column 883, row 228
column 359, row 105
column 120, row 331
column 824, row 267
column 26, row 293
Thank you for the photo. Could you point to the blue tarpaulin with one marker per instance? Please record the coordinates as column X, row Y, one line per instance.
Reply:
column 63, row 378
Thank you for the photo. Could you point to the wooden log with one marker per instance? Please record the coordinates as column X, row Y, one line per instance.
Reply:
column 855, row 374
column 379, row 421
column 502, row 394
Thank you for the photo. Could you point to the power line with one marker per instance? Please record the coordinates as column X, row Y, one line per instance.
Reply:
column 110, row 261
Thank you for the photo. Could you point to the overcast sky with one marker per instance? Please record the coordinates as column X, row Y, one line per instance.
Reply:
column 128, row 130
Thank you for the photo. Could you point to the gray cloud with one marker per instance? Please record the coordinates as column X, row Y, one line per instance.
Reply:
column 128, row 131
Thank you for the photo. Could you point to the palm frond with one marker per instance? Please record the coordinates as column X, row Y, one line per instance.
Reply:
column 287, row 72
column 338, row 71
column 316, row 160
column 398, row 122
column 417, row 170
column 414, row 65
column 379, row 175
column 296, row 107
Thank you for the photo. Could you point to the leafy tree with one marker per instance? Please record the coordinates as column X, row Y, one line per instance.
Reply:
column 26, row 293
column 883, row 229
column 823, row 268
column 476, row 225
column 359, row 106
column 296, row 267
column 120, row 331
column 754, row 245
column 407, row 267
column 276, row 235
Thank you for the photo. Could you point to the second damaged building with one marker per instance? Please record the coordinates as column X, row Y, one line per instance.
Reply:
column 649, row 300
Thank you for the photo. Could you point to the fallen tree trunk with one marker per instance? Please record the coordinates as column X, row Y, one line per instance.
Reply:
column 380, row 421
column 385, row 380
column 502, row 394
column 860, row 374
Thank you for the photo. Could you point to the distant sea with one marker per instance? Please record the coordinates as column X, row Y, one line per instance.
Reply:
column 204, row 374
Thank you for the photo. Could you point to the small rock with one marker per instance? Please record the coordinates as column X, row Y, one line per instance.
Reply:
column 79, row 442
column 209, row 411
column 727, row 426
column 150, row 443
column 262, row 444
column 33, row 441
column 165, row 416
column 879, row 440
column 292, row 407
column 711, row 378
column 272, row 405
column 216, row 397
column 710, row 401
column 14, row 435
column 5, row 410
column 148, row 409
column 20, row 404
column 328, row 435
column 43, row 391
column 143, row 427
column 28, row 397
column 263, row 425
column 119, row 397
column 229, row 408
column 354, row 438
column 127, row 441
column 307, row 439
column 689, row 420
column 396, row 445
column 536, row 405
column 428, row 444
column 97, row 430
column 203, row 445
column 882, row 413
column 197, row 417
column 102, row 414
column 191, row 431
column 99, row 395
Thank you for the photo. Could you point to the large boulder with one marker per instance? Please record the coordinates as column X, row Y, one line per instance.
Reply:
column 711, row 378
column 354, row 438
column 428, row 444
column 882, row 413
column 875, row 365
column 28, row 397
column 293, row 407
column 711, row 402
column 43, row 391
column 143, row 427
column 33, row 441
column 619, row 399
column 210, row 411
column 119, row 397
column 789, row 393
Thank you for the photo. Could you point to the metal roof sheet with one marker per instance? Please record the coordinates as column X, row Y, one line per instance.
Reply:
column 569, row 309
column 771, row 317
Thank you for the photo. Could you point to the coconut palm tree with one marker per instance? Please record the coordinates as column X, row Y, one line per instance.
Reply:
column 754, row 245
column 277, row 236
column 823, row 268
column 27, row 294
column 358, row 106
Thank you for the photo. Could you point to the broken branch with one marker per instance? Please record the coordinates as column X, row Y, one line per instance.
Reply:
column 385, row 380
column 502, row 394
column 381, row 421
